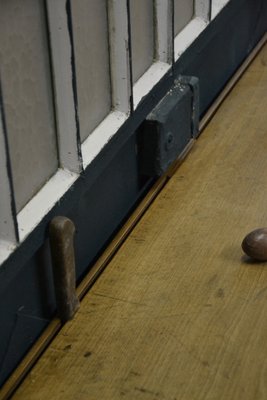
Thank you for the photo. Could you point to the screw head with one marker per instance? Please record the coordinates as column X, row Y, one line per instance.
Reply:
column 169, row 141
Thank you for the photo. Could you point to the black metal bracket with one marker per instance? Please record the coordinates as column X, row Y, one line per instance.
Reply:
column 169, row 128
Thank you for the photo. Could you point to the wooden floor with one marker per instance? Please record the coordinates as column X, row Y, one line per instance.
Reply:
column 180, row 313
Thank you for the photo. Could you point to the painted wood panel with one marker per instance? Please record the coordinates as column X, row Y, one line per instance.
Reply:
column 91, row 48
column 27, row 96
column 142, row 36
column 183, row 13
column 64, row 85
column 8, row 223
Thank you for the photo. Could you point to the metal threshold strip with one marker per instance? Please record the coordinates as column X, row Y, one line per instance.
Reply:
column 55, row 325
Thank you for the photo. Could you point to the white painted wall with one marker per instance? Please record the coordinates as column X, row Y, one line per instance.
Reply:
column 91, row 48
column 102, row 63
column 27, row 96
column 142, row 36
column 183, row 13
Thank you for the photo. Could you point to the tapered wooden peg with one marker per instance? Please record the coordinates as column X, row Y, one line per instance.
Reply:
column 61, row 234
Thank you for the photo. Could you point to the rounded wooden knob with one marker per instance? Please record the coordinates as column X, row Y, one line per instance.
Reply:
column 255, row 244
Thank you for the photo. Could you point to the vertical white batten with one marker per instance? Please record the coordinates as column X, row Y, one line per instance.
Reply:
column 203, row 9
column 163, row 33
column 8, row 223
column 67, row 129
column 119, row 55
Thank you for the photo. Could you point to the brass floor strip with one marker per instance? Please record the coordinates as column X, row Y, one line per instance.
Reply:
column 51, row 331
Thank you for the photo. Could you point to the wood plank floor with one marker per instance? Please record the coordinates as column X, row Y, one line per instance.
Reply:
column 180, row 313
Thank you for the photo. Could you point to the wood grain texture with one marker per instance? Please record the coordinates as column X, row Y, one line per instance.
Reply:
column 180, row 313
